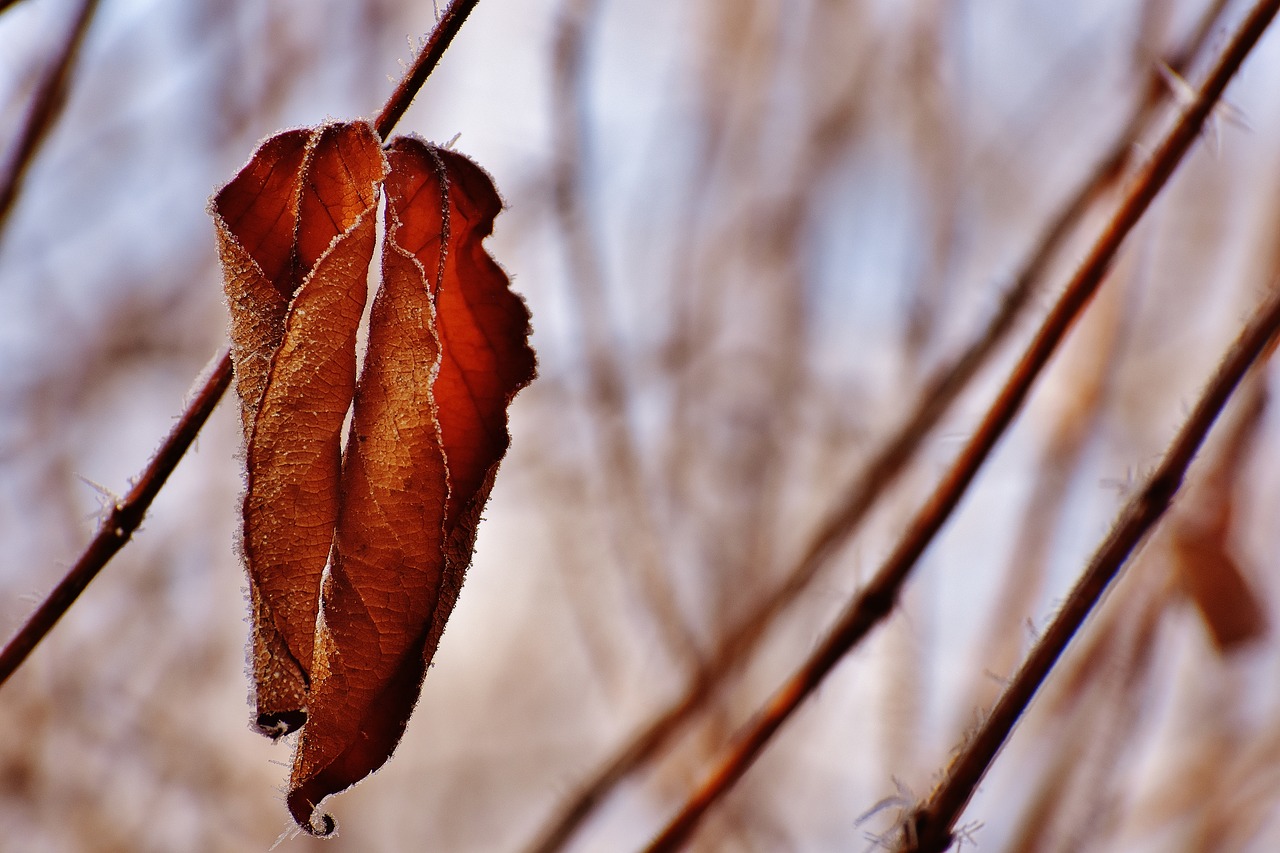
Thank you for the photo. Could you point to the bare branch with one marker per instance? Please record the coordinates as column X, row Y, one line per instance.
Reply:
column 121, row 521
column 939, row 392
column 46, row 106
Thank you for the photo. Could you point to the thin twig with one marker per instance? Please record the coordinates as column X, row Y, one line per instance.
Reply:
column 121, row 521
column 1107, row 681
column 929, row 827
column 1073, row 424
column 428, row 58
column 873, row 479
column 46, row 106
column 878, row 598
column 126, row 515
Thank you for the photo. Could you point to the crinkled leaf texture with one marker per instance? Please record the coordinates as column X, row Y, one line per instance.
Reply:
column 355, row 553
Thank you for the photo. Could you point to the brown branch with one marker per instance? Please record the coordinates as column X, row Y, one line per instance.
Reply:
column 125, row 517
column 929, row 827
column 874, row 478
column 122, row 520
column 46, row 105
column 428, row 58
column 1073, row 424
column 879, row 596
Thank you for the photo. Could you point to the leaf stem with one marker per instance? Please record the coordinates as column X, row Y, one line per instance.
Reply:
column 428, row 58
column 878, row 598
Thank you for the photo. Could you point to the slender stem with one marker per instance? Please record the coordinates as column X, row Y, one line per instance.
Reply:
column 121, row 521
column 428, row 58
column 929, row 827
column 125, row 517
column 880, row 471
column 877, row 600
column 46, row 105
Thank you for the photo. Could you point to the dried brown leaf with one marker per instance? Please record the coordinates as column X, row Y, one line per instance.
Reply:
column 297, row 230
column 447, row 352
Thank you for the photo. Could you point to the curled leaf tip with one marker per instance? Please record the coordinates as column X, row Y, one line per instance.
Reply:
column 276, row 726
column 314, row 822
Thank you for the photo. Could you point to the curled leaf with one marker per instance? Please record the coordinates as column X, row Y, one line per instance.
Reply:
column 355, row 555
column 256, row 217
column 296, row 232
column 447, row 352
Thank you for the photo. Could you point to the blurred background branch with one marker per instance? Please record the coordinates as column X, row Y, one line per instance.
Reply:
column 46, row 105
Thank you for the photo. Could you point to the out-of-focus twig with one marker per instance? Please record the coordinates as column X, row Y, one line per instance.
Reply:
column 635, row 531
column 929, row 827
column 46, row 105
column 938, row 393
column 878, row 598
column 127, row 514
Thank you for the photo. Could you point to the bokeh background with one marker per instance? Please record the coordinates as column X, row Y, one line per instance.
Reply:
column 755, row 237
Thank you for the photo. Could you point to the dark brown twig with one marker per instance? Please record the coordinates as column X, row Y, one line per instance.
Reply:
column 127, row 514
column 878, row 598
column 121, row 521
column 428, row 58
column 929, row 827
column 1073, row 425
column 46, row 105
column 940, row 391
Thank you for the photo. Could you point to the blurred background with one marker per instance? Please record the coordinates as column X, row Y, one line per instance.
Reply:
column 779, row 257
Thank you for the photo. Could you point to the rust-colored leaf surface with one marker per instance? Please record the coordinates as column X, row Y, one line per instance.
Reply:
column 447, row 352
column 296, row 231
column 356, row 553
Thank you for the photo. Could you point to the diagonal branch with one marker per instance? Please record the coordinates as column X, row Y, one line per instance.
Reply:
column 929, row 827
column 428, row 58
column 121, row 521
column 46, row 105
column 878, row 598
column 125, row 517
